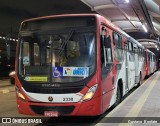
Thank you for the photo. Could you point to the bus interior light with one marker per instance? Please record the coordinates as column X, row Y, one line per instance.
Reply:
column 90, row 93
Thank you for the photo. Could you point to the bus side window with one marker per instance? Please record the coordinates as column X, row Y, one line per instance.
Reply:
column 106, row 53
column 36, row 54
column 117, row 40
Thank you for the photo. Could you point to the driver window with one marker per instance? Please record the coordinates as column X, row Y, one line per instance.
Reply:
column 26, row 54
column 36, row 54
column 106, row 52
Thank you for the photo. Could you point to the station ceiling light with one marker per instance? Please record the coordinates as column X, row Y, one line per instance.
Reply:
column 11, row 39
column 144, row 28
column 126, row 1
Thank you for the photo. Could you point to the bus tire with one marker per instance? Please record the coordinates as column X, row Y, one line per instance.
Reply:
column 140, row 80
column 118, row 96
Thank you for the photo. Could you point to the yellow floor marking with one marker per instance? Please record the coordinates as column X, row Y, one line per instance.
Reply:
column 124, row 101
column 5, row 91
column 139, row 104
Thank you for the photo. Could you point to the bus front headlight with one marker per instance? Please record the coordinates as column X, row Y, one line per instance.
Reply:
column 19, row 94
column 90, row 93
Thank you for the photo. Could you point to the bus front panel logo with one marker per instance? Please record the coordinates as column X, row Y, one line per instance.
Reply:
column 50, row 98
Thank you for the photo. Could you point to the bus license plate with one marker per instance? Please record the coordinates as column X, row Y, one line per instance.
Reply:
column 51, row 113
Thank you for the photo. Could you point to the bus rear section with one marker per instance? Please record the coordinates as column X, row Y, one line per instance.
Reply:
column 151, row 64
column 58, row 67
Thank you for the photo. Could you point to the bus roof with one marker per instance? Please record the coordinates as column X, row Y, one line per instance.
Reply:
column 101, row 18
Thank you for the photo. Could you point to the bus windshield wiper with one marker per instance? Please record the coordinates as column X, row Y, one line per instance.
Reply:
column 66, row 41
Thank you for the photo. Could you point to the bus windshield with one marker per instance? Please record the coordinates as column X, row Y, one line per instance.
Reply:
column 64, row 54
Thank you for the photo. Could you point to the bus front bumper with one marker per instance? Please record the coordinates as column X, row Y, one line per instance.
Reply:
column 87, row 108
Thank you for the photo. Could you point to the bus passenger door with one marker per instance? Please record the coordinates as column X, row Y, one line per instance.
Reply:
column 131, row 65
column 127, row 66
column 107, row 81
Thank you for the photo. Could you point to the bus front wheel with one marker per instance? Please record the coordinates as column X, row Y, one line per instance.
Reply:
column 118, row 96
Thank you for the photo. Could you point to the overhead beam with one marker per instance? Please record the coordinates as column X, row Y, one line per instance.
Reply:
column 132, row 29
column 117, row 20
column 107, row 6
column 124, row 13
column 148, row 40
column 146, row 15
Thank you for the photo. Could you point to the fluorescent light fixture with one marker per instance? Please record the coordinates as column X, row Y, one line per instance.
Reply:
column 144, row 27
column 13, row 39
column 126, row 1
column 156, row 46
column 0, row 37
column 3, row 37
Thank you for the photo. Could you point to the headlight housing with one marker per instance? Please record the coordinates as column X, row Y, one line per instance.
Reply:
column 19, row 94
column 90, row 93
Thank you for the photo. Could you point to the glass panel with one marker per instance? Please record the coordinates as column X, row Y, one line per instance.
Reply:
column 77, row 55
column 36, row 54
column 26, row 56
column 59, row 55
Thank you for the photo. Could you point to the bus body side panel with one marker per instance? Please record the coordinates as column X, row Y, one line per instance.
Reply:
column 153, row 63
column 120, row 76
column 147, row 65
column 142, row 70
column 117, row 73
column 107, row 94
column 132, row 69
column 136, row 65
column 106, row 78
column 144, row 66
